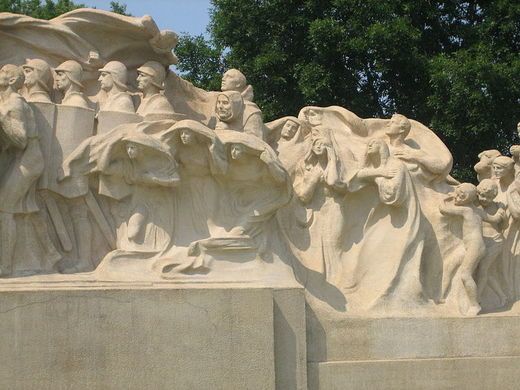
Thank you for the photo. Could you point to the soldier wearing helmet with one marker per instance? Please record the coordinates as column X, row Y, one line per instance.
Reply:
column 38, row 81
column 113, row 77
column 150, row 81
column 23, row 164
column 68, row 80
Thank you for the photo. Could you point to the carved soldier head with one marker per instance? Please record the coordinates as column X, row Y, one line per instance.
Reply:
column 503, row 167
column 487, row 190
column 38, row 75
column 113, row 75
column 399, row 125
column 465, row 194
column 69, row 75
column 151, row 76
column 11, row 76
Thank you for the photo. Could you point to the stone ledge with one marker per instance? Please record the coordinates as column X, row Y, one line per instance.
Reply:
column 97, row 338
column 480, row 373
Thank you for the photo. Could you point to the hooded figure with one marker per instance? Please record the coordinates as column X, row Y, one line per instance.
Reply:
column 387, row 272
column 233, row 114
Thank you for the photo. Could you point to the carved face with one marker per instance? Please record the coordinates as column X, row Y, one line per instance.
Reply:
column 106, row 81
column 4, row 78
column 500, row 171
column 62, row 81
column 230, row 82
column 132, row 150
column 187, row 137
column 485, row 196
column 318, row 147
column 224, row 108
column 289, row 129
column 31, row 77
column 144, row 81
column 314, row 117
column 373, row 147
column 393, row 127
column 460, row 197
column 237, row 151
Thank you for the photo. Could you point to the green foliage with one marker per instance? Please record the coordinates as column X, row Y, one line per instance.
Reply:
column 452, row 65
column 119, row 8
column 37, row 9
column 200, row 62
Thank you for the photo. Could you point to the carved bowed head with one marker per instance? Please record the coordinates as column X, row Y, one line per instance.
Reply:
column 11, row 77
column 465, row 194
column 487, row 191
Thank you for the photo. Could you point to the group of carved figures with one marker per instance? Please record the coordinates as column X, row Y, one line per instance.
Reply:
column 365, row 205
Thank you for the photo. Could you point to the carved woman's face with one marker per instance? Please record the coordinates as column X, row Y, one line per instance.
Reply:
column 132, row 150
column 187, row 137
column 314, row 117
column 289, row 129
column 373, row 147
column 500, row 170
column 318, row 147
column 237, row 151
column 106, row 81
column 223, row 108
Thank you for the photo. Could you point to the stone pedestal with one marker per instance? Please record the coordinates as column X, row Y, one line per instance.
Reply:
column 479, row 353
column 152, row 337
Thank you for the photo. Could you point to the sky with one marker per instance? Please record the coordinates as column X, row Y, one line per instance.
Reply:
column 181, row 16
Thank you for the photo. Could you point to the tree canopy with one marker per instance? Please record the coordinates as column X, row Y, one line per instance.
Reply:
column 452, row 65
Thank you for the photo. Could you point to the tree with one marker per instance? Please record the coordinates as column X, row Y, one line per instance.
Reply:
column 48, row 10
column 452, row 65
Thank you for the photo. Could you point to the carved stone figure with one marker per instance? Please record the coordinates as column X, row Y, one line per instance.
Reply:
column 234, row 80
column 232, row 114
column 150, row 81
column 395, row 225
column 504, row 175
column 22, row 165
column 484, row 167
column 113, row 78
column 38, row 81
column 494, row 221
column 68, row 81
column 463, row 207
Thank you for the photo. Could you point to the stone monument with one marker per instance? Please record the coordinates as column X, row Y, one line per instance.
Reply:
column 149, row 228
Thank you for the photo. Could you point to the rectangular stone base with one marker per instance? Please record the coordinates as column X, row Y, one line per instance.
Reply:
column 480, row 353
column 152, row 338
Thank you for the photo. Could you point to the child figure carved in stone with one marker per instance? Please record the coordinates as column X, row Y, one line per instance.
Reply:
column 463, row 206
column 494, row 221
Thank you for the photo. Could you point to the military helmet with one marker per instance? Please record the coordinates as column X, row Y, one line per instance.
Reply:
column 118, row 71
column 73, row 70
column 154, row 70
column 43, row 70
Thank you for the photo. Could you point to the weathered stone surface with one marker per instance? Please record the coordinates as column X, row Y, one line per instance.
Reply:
column 154, row 338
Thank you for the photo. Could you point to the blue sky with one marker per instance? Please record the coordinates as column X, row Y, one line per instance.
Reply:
column 181, row 16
